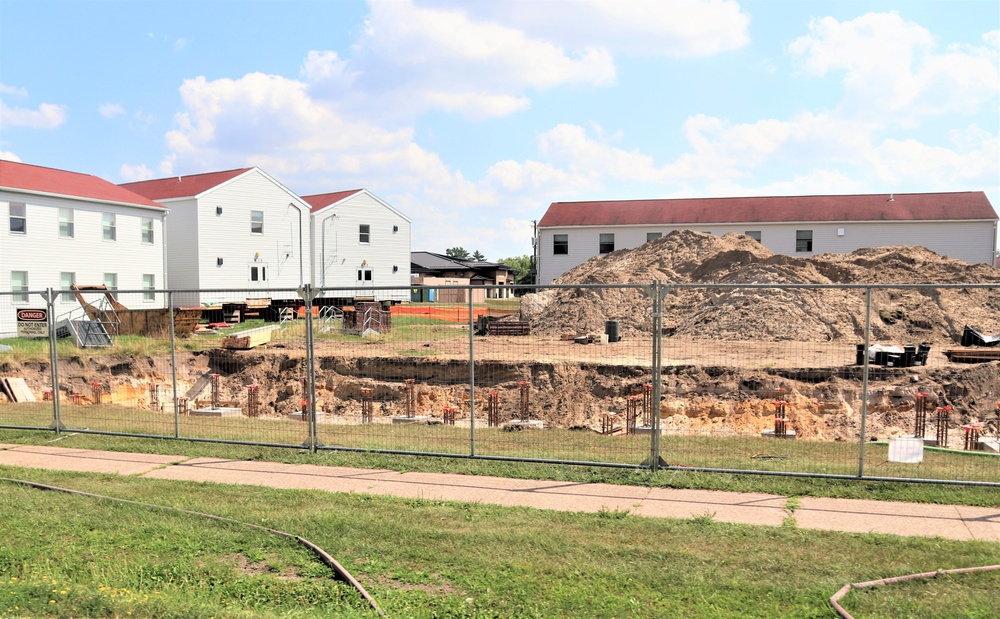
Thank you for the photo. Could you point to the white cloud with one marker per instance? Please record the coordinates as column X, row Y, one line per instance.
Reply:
column 110, row 110
column 46, row 116
column 13, row 90
column 179, row 44
column 893, row 70
column 133, row 173
column 9, row 156
column 678, row 28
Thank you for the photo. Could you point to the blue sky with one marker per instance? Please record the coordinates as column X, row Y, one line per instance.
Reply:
column 473, row 116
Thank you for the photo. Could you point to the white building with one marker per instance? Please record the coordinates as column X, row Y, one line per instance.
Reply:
column 232, row 229
column 960, row 225
column 59, row 228
column 359, row 242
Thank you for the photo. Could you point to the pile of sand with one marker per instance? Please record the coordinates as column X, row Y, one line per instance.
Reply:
column 774, row 314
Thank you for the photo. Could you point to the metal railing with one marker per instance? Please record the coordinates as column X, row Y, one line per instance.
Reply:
column 802, row 380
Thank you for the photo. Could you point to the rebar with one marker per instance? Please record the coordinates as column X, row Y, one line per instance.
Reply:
column 608, row 421
column 182, row 405
column 367, row 405
column 972, row 436
column 411, row 400
column 154, row 395
column 632, row 412
column 96, row 391
column 647, row 404
column 920, row 417
column 253, row 400
column 525, row 405
column 215, row 390
column 942, row 425
column 780, row 420
column 493, row 408
column 448, row 415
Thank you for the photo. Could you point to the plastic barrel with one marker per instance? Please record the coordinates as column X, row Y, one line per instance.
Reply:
column 612, row 328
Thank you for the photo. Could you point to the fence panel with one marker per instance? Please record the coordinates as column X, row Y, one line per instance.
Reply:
column 393, row 379
column 242, row 373
column 933, row 392
column 25, row 363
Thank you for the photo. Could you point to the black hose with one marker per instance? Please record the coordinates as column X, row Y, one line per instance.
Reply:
column 337, row 568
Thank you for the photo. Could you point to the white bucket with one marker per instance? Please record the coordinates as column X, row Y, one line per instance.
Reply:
column 907, row 450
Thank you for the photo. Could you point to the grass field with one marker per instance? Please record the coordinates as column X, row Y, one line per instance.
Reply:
column 71, row 556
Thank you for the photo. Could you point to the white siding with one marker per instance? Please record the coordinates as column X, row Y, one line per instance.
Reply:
column 340, row 254
column 44, row 255
column 200, row 236
column 971, row 241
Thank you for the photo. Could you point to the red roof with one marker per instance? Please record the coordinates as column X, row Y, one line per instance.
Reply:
column 872, row 207
column 32, row 178
column 323, row 200
column 182, row 186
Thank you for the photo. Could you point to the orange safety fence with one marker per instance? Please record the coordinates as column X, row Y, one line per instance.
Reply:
column 457, row 313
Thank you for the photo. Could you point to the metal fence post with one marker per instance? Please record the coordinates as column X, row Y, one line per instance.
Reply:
column 50, row 303
column 654, row 405
column 173, row 364
column 472, row 377
column 864, row 384
column 308, row 294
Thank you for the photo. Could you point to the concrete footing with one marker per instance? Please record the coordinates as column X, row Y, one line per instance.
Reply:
column 525, row 424
column 771, row 434
column 216, row 411
column 413, row 419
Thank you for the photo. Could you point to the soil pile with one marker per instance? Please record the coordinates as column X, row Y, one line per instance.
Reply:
column 771, row 314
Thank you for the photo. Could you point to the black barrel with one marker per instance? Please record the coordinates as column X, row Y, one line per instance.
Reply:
column 612, row 328
column 859, row 358
column 909, row 355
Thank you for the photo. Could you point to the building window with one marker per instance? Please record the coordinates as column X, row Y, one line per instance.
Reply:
column 66, row 223
column 19, row 284
column 256, row 222
column 607, row 243
column 652, row 236
column 109, row 224
column 258, row 272
column 364, row 233
column 364, row 275
column 18, row 219
column 111, row 281
column 66, row 281
column 803, row 240
column 754, row 234
column 147, row 230
column 560, row 244
column 148, row 285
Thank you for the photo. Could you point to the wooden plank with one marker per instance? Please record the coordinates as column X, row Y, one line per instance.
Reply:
column 18, row 389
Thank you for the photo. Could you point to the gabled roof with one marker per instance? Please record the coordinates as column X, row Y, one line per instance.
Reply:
column 183, row 186
column 425, row 261
column 869, row 207
column 324, row 200
column 50, row 181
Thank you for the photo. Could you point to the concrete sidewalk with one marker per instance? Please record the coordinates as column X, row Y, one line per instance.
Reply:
column 851, row 515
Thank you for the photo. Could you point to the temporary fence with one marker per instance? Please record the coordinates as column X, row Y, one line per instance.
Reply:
column 843, row 381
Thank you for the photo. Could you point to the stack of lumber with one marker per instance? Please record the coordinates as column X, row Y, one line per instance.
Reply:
column 249, row 338
column 16, row 390
column 508, row 327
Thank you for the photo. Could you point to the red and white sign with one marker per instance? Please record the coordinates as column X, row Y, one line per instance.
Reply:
column 32, row 323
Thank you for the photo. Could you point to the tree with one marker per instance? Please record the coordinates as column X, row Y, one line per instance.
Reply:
column 478, row 256
column 522, row 267
column 457, row 252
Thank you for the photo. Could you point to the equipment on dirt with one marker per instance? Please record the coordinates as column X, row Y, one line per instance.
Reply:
column 971, row 337
column 120, row 320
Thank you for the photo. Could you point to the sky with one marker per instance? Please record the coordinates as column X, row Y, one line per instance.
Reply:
column 472, row 116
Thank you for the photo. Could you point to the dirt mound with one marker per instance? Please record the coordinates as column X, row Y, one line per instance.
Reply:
column 773, row 314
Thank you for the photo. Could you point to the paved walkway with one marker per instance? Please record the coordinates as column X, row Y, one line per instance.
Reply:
column 852, row 515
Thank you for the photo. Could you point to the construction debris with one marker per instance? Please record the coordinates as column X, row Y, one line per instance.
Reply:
column 16, row 390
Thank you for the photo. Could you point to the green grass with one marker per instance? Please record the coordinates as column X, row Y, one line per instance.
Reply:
column 75, row 556
column 296, row 435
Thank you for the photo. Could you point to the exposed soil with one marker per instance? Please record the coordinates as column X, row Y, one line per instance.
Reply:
column 792, row 339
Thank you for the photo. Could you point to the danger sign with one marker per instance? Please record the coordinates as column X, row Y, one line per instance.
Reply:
column 32, row 323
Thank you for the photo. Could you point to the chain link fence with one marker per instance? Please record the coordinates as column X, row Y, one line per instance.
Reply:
column 722, row 377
